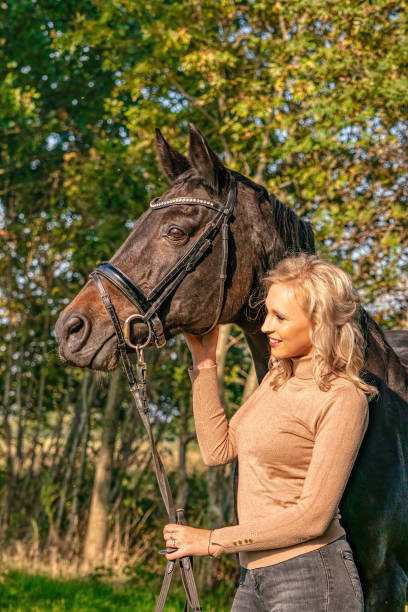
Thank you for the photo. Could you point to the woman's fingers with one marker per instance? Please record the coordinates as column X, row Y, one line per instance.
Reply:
column 171, row 541
column 180, row 552
column 171, row 528
column 187, row 540
column 210, row 340
column 193, row 342
column 172, row 535
column 202, row 339
column 177, row 536
column 203, row 347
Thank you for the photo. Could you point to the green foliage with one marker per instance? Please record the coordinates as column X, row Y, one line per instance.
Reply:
column 309, row 99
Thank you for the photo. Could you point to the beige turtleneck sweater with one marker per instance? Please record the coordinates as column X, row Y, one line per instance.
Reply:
column 295, row 447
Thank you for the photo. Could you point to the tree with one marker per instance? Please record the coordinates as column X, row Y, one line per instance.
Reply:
column 309, row 99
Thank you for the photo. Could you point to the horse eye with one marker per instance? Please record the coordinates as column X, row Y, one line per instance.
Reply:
column 175, row 232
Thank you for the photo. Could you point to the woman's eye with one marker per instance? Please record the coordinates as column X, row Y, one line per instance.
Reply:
column 279, row 317
column 176, row 233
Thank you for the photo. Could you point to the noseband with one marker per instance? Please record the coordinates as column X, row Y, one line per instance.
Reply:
column 147, row 307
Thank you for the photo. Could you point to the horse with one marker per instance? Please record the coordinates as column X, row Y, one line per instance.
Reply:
column 262, row 230
column 398, row 339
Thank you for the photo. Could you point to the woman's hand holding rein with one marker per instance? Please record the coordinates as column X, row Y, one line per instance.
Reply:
column 203, row 348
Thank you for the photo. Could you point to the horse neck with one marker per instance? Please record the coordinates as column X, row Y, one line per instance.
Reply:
column 274, row 231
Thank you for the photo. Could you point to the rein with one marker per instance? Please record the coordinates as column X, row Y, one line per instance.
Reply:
column 147, row 307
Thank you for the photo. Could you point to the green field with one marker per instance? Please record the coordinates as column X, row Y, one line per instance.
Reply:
column 22, row 592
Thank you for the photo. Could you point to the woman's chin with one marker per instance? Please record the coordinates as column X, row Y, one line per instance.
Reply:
column 278, row 351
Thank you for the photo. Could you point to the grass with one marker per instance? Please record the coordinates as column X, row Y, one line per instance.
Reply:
column 23, row 592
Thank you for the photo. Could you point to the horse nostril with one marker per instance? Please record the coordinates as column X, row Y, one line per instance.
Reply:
column 76, row 330
column 74, row 325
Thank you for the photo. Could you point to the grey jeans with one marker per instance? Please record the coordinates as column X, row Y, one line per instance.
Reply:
column 323, row 580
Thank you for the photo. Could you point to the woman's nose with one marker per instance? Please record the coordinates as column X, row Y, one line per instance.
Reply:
column 267, row 326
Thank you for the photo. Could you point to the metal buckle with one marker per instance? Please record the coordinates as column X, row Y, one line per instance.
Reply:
column 126, row 331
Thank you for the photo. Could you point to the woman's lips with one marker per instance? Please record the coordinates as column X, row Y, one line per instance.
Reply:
column 274, row 342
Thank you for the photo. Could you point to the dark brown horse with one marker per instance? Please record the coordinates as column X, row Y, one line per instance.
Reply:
column 398, row 339
column 262, row 231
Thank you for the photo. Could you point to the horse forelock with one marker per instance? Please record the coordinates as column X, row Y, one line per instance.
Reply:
column 191, row 180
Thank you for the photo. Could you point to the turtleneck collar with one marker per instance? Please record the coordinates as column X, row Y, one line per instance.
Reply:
column 303, row 367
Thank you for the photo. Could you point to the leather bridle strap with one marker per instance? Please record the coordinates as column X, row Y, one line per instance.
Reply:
column 138, row 390
column 134, row 294
column 148, row 305
column 193, row 255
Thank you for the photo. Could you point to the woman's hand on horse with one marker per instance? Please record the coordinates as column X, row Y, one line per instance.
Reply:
column 203, row 348
column 187, row 540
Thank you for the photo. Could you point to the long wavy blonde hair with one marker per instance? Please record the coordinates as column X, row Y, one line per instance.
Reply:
column 328, row 298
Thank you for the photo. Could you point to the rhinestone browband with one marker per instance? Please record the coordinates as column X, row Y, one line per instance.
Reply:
column 186, row 200
column 153, row 203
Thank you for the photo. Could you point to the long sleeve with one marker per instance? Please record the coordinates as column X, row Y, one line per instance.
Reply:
column 340, row 428
column 215, row 437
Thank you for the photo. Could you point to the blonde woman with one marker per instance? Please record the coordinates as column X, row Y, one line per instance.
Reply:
column 296, row 439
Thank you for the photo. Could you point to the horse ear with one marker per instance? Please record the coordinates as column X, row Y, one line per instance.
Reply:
column 208, row 164
column 172, row 162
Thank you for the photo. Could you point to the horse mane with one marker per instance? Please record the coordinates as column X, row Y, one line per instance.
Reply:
column 296, row 233
column 293, row 234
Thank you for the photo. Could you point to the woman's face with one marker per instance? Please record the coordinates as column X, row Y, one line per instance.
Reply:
column 286, row 325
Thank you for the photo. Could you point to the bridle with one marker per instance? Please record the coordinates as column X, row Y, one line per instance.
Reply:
column 148, row 306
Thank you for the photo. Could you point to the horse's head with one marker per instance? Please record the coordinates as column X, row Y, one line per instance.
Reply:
column 159, row 239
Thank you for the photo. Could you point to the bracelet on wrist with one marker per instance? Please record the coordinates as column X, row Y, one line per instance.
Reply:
column 209, row 542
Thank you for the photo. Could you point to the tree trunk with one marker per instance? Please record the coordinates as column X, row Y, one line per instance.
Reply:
column 79, row 478
column 40, row 397
column 98, row 516
column 78, row 425
column 6, row 503
column 125, row 450
column 57, row 434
